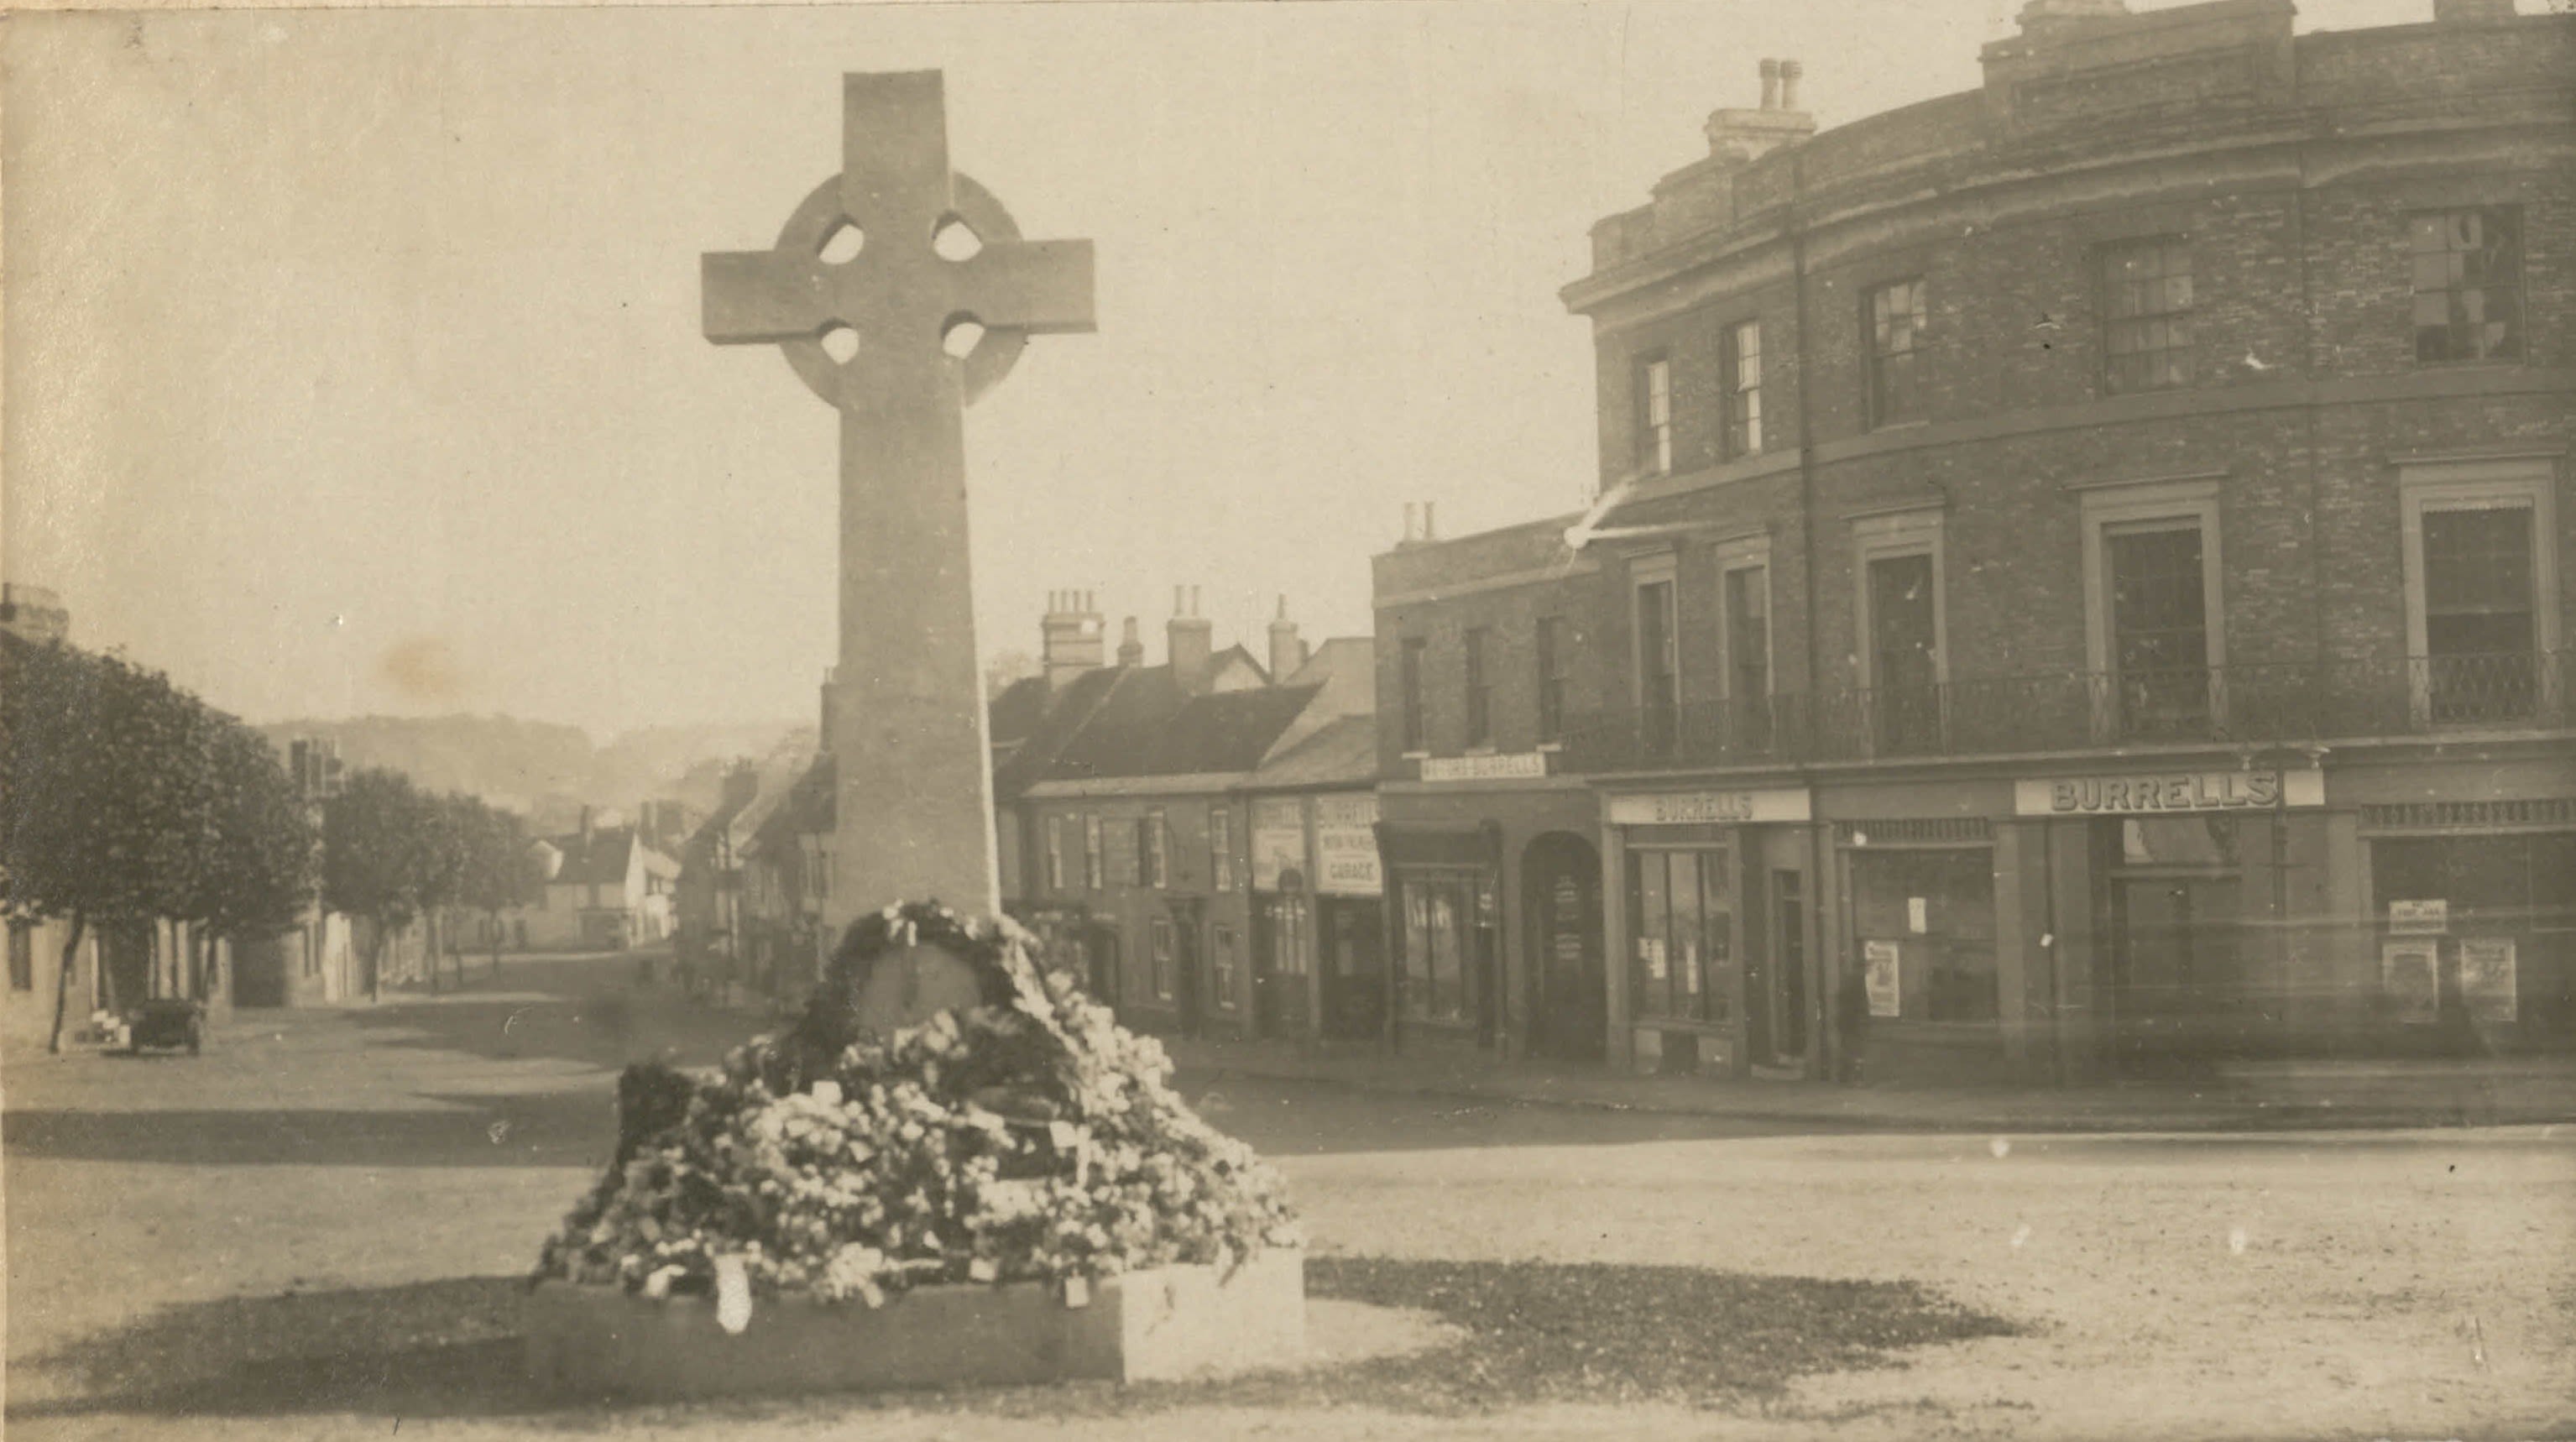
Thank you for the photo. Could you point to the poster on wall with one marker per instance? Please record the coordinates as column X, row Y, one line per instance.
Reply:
column 1346, row 845
column 1882, row 977
column 1278, row 841
column 2486, row 978
column 2410, row 976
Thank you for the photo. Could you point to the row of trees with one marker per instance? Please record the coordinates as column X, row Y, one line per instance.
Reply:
column 124, row 799
column 392, row 853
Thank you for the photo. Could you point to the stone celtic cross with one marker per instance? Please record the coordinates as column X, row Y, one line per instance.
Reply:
column 872, row 301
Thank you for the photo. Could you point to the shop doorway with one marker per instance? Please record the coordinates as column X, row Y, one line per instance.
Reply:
column 1776, row 972
column 2177, row 954
column 1353, row 933
column 1282, row 945
column 1561, row 894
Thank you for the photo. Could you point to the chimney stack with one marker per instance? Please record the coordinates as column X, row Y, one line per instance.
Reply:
column 1287, row 651
column 1190, row 642
column 1070, row 638
column 1131, row 650
column 1744, row 136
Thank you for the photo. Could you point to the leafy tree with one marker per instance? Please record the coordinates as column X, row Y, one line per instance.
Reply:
column 376, row 854
column 100, row 807
column 500, row 870
column 254, row 874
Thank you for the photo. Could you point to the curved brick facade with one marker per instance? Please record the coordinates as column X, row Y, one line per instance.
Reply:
column 2189, row 403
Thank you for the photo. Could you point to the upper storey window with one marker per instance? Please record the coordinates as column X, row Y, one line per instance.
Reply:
column 2468, row 284
column 1894, row 314
column 1655, row 415
column 2146, row 307
column 1742, row 357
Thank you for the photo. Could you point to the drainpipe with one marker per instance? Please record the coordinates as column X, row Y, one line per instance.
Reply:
column 1829, row 1038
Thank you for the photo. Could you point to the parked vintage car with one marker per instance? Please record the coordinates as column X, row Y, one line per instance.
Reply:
column 168, row 1023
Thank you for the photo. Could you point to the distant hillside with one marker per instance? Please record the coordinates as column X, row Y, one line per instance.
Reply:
column 521, row 764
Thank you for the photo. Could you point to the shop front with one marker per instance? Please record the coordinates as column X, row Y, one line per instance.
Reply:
column 1318, row 929
column 1492, row 915
column 1714, row 925
column 2467, row 923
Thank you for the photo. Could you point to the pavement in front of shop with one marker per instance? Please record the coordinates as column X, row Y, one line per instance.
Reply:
column 2247, row 1097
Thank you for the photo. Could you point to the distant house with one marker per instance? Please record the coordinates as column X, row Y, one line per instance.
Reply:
column 605, row 888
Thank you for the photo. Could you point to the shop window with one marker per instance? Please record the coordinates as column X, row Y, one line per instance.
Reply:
column 1221, row 849
column 1654, row 415
column 1480, row 692
column 2478, row 558
column 2468, row 284
column 1742, row 358
column 1291, row 929
column 1681, row 928
column 1550, row 648
column 1409, row 691
column 1894, row 317
column 1441, row 921
column 2482, row 923
column 1161, row 944
column 22, row 956
column 1933, row 913
column 1222, row 965
column 2146, row 309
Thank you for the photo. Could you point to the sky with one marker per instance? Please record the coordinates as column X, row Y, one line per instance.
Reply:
column 353, row 360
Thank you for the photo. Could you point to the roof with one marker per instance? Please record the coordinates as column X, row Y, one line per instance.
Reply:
column 602, row 856
column 1015, row 713
column 1062, row 716
column 1344, row 752
column 1147, row 728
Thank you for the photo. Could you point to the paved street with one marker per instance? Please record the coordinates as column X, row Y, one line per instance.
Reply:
column 341, row 1197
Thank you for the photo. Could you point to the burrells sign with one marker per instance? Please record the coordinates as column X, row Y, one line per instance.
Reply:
column 2142, row 793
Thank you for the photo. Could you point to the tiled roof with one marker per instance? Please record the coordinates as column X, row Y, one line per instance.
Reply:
column 1344, row 751
column 601, row 857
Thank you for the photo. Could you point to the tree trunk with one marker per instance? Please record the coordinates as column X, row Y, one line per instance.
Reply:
column 375, row 960
column 496, row 944
column 63, row 982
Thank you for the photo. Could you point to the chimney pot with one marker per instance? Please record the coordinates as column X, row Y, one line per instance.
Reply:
column 1790, row 71
column 1131, row 649
column 1770, row 84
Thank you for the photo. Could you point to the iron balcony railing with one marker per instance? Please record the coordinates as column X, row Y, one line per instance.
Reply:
column 2292, row 701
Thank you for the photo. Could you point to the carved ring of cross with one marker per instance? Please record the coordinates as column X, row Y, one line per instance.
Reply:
column 813, row 222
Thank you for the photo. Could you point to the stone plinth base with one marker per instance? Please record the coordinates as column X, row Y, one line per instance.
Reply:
column 1166, row 1323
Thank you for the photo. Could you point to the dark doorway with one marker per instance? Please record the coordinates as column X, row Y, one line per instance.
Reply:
column 1561, row 900
column 1353, row 933
column 1283, row 949
column 1784, row 996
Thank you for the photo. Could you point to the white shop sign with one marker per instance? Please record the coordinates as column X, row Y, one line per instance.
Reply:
column 2419, row 918
column 1683, row 808
column 1516, row 765
column 2139, row 793
column 1278, row 841
column 1346, row 845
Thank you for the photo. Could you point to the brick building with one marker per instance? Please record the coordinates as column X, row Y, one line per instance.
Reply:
column 2081, row 582
column 1125, row 800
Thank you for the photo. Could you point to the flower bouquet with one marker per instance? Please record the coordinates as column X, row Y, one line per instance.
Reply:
column 1027, row 1138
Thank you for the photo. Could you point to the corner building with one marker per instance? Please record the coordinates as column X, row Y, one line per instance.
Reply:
column 2083, row 573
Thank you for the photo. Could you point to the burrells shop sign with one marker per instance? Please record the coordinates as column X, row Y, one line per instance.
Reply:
column 2144, row 793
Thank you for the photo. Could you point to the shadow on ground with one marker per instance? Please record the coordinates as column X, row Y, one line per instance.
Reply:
column 1534, row 1333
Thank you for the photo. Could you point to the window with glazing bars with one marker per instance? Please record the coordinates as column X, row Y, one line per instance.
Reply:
column 2146, row 308
column 1551, row 677
column 1742, row 356
column 1655, row 415
column 1895, row 315
column 2159, row 627
column 1480, row 692
column 2468, row 284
